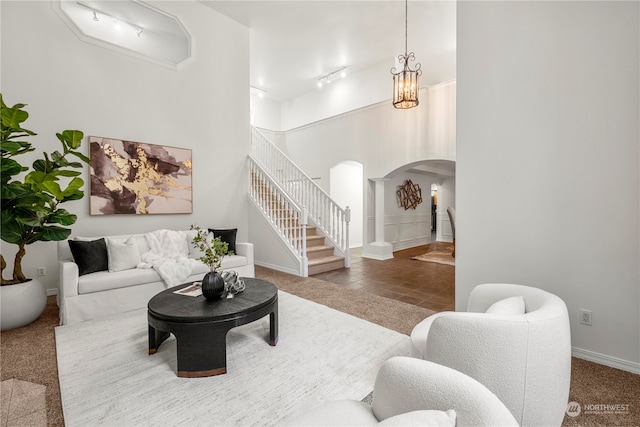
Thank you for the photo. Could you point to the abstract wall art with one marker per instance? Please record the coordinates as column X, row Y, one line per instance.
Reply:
column 136, row 178
column 409, row 195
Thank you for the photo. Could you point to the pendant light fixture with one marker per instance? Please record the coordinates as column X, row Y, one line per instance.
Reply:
column 405, row 82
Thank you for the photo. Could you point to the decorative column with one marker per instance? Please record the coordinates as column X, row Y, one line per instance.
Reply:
column 379, row 249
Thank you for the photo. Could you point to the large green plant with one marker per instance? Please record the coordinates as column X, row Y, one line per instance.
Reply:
column 31, row 209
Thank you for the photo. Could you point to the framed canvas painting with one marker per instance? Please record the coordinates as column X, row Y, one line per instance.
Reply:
column 130, row 177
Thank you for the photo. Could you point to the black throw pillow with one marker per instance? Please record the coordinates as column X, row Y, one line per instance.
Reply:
column 90, row 256
column 226, row 235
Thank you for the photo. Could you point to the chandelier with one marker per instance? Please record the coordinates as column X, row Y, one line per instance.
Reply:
column 405, row 82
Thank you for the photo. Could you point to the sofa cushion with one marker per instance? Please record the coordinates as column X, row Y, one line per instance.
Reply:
column 91, row 256
column 232, row 261
column 227, row 235
column 141, row 243
column 104, row 280
column 200, row 268
column 122, row 255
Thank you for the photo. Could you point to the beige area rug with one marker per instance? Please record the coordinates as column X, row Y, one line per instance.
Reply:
column 437, row 256
column 107, row 378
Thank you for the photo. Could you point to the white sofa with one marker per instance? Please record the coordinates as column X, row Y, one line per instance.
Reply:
column 103, row 293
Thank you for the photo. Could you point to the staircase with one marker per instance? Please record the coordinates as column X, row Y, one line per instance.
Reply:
column 312, row 226
column 320, row 255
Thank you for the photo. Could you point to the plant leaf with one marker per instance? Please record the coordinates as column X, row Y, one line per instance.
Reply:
column 80, row 156
column 70, row 138
column 12, row 117
column 62, row 217
column 54, row 232
column 9, row 168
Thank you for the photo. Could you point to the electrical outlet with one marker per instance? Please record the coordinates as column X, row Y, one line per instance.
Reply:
column 42, row 271
column 585, row 317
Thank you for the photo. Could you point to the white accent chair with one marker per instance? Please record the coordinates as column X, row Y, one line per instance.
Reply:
column 525, row 359
column 404, row 385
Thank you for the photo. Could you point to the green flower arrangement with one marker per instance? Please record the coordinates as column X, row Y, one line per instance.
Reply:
column 213, row 250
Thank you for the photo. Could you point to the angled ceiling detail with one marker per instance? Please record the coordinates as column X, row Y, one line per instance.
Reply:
column 128, row 26
column 293, row 43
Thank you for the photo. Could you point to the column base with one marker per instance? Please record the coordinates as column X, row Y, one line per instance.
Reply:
column 378, row 250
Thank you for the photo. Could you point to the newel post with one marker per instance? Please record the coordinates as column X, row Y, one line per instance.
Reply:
column 347, row 220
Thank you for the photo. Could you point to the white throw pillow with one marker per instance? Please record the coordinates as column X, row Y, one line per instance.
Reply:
column 511, row 305
column 195, row 253
column 141, row 242
column 423, row 418
column 122, row 255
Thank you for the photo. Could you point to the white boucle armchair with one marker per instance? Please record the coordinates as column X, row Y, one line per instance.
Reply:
column 405, row 388
column 525, row 359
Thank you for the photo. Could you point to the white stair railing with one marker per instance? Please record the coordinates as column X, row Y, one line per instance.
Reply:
column 286, row 217
column 328, row 217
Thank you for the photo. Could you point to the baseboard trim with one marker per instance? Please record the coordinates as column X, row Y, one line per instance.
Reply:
column 277, row 268
column 606, row 360
column 377, row 257
column 51, row 292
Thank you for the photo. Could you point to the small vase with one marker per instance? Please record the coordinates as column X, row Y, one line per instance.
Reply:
column 212, row 286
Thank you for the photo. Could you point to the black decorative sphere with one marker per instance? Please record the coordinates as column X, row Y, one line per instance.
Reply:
column 212, row 286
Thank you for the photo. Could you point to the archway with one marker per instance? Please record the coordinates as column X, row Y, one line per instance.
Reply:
column 413, row 227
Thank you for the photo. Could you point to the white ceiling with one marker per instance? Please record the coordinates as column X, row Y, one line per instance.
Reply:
column 293, row 43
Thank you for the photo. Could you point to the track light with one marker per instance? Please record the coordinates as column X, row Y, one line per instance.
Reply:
column 328, row 78
column 118, row 24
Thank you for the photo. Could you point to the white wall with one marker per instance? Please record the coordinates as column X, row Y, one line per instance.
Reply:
column 380, row 137
column 71, row 84
column 346, row 189
column 359, row 89
column 265, row 113
column 269, row 248
column 553, row 87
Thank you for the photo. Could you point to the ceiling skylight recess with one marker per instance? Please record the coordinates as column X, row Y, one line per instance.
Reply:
column 129, row 27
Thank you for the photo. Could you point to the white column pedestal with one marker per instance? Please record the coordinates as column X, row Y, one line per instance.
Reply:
column 379, row 249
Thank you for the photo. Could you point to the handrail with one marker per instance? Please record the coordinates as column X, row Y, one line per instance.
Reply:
column 282, row 212
column 328, row 217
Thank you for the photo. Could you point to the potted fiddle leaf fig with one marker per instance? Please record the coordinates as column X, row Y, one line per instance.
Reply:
column 31, row 206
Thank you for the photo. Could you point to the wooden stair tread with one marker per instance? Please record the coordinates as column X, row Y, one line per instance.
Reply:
column 325, row 260
column 319, row 248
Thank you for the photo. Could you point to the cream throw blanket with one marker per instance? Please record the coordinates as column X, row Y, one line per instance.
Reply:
column 169, row 256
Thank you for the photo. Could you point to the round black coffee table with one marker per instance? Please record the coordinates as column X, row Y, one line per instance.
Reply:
column 201, row 326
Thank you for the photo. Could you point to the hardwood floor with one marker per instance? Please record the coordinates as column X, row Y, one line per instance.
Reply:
column 421, row 283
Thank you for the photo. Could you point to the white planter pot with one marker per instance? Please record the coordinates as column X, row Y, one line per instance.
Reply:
column 21, row 304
